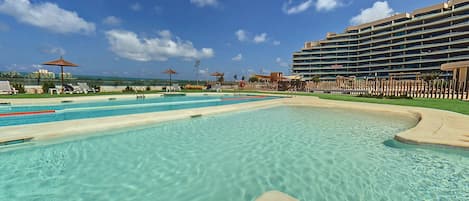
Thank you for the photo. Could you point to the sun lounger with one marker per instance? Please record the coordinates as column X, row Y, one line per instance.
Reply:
column 69, row 88
column 174, row 87
column 85, row 88
column 5, row 87
column 217, row 88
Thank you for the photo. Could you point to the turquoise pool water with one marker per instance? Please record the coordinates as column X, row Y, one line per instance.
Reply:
column 70, row 111
column 309, row 153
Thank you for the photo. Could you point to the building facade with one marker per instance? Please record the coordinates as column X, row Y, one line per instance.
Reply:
column 407, row 44
column 42, row 73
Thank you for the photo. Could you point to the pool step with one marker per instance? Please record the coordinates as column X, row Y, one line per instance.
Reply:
column 6, row 142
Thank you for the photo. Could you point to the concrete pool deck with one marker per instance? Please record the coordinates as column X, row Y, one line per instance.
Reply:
column 435, row 127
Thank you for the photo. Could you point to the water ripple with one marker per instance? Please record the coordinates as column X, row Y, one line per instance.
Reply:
column 310, row 153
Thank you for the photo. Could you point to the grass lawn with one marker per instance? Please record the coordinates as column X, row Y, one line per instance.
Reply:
column 458, row 106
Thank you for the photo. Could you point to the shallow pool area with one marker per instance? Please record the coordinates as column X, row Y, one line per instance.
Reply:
column 309, row 153
column 30, row 114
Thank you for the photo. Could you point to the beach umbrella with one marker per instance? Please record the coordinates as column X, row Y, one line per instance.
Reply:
column 218, row 75
column 61, row 62
column 170, row 72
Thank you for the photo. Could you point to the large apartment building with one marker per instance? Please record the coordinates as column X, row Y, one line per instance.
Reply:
column 407, row 44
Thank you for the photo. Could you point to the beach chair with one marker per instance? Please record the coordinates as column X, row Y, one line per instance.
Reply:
column 217, row 88
column 176, row 87
column 70, row 89
column 85, row 88
column 6, row 88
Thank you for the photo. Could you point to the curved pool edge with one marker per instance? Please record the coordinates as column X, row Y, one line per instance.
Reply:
column 435, row 127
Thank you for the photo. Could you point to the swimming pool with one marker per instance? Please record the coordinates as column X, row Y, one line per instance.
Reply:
column 29, row 114
column 309, row 153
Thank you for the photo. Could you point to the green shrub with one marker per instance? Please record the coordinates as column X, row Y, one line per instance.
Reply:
column 148, row 88
column 19, row 87
column 253, row 79
column 316, row 79
column 430, row 76
column 128, row 89
column 47, row 85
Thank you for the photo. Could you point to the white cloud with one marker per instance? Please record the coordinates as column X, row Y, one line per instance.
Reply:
column 289, row 8
column 260, row 38
column 244, row 36
column 379, row 10
column 241, row 35
column 203, row 3
column 46, row 15
column 280, row 62
column 112, row 20
column 37, row 66
column 136, row 6
column 204, row 72
column 276, row 42
column 238, row 57
column 55, row 51
column 327, row 5
column 129, row 45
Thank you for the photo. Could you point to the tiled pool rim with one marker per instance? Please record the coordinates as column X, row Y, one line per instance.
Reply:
column 436, row 127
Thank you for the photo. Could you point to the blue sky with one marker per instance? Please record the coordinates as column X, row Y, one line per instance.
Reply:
column 141, row 38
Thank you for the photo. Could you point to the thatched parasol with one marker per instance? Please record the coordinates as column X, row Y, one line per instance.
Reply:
column 61, row 62
column 219, row 76
column 170, row 72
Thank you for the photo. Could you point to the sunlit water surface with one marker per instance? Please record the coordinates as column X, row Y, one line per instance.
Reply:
column 309, row 153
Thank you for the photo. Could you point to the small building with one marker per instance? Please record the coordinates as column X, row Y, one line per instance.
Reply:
column 273, row 77
column 460, row 70
column 42, row 73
